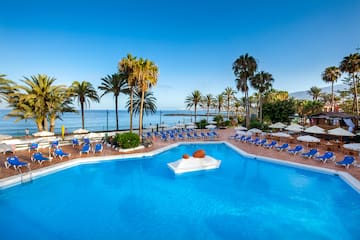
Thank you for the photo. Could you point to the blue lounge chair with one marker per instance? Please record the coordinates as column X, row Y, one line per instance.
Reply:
column 196, row 136
column 54, row 144
column 85, row 149
column 253, row 140
column 297, row 149
column 312, row 153
column 346, row 162
column 245, row 139
column 33, row 147
column 98, row 148
column 326, row 156
column 234, row 136
column 75, row 142
column 262, row 142
column 59, row 153
column 188, row 135
column 282, row 147
column 270, row 145
column 203, row 135
column 180, row 136
column 86, row 141
column 16, row 163
column 38, row 157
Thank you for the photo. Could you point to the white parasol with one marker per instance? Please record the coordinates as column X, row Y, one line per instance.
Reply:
column 211, row 126
column 295, row 128
column 278, row 125
column 255, row 130
column 315, row 129
column 80, row 131
column 352, row 146
column 6, row 148
column 180, row 125
column 340, row 132
column 43, row 134
column 241, row 128
column 281, row 134
column 308, row 138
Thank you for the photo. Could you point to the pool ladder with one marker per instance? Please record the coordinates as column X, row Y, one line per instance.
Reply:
column 25, row 176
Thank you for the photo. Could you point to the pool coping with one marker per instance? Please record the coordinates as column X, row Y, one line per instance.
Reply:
column 34, row 174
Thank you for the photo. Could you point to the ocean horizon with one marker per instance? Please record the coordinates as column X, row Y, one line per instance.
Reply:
column 99, row 120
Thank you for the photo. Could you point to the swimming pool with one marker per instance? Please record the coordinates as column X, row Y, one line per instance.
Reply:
column 142, row 199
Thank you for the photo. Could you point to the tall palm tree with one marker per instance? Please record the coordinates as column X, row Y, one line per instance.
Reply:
column 229, row 94
column 219, row 102
column 262, row 82
column 331, row 75
column 149, row 103
column 84, row 92
column 127, row 66
column 206, row 102
column 244, row 67
column 193, row 100
column 41, row 100
column 115, row 84
column 146, row 73
column 5, row 87
column 315, row 93
column 351, row 65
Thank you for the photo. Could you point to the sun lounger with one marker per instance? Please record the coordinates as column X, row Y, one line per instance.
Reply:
column 98, row 148
column 282, row 147
column 59, row 153
column 312, row 153
column 85, row 149
column 270, row 145
column 16, row 163
column 38, row 157
column 75, row 142
column 86, row 141
column 33, row 147
column 297, row 149
column 346, row 162
column 54, row 144
column 326, row 156
column 261, row 143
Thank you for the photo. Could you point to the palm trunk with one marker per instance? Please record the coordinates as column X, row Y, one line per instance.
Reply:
column 260, row 107
column 355, row 95
column 82, row 115
column 39, row 124
column 52, row 123
column 247, row 109
column 116, row 113
column 207, row 115
column 195, row 113
column 141, row 112
column 228, row 108
column 332, row 97
column 131, row 109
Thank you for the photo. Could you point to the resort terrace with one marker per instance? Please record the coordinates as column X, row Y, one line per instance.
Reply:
column 158, row 144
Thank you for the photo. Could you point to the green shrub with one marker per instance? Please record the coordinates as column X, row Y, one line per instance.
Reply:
column 128, row 140
column 201, row 124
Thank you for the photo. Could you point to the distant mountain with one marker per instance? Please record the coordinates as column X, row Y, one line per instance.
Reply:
column 305, row 95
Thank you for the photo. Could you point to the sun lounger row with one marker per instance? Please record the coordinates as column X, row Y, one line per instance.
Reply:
column 298, row 149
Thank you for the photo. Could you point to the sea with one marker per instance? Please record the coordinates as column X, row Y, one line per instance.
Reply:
column 99, row 120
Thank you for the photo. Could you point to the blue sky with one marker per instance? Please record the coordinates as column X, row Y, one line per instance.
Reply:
column 194, row 43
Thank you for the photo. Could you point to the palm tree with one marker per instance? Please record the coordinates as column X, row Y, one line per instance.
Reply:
column 146, row 73
column 229, row 94
column 219, row 102
column 39, row 99
column 315, row 93
column 351, row 65
column 331, row 75
column 127, row 65
column 193, row 100
column 206, row 102
column 149, row 103
column 5, row 87
column 115, row 84
column 84, row 92
column 244, row 67
column 261, row 81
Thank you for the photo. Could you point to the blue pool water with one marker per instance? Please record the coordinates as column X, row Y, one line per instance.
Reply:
column 142, row 199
